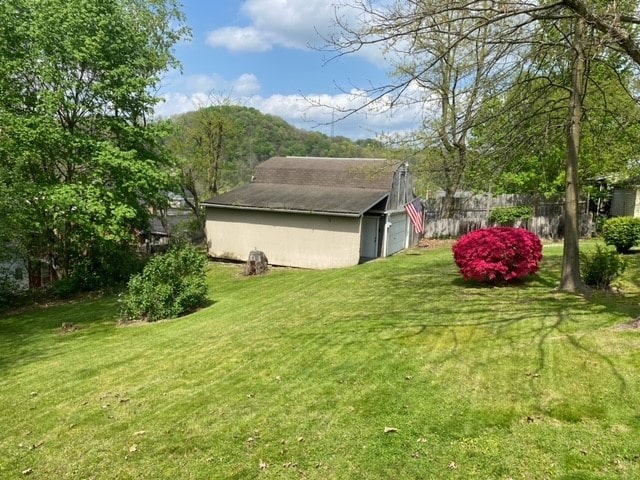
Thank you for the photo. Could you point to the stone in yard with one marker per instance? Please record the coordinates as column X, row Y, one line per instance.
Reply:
column 257, row 264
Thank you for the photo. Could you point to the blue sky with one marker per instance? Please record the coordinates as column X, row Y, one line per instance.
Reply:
column 258, row 53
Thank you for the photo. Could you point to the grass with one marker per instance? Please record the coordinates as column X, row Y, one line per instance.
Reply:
column 297, row 374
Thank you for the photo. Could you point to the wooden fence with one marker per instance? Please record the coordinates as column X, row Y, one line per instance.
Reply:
column 471, row 212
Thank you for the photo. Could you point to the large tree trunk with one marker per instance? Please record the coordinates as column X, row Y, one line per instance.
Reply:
column 571, row 280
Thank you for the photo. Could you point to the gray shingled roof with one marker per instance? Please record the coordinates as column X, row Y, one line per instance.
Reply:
column 303, row 199
column 313, row 185
column 375, row 174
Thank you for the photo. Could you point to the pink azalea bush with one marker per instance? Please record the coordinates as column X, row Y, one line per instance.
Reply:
column 498, row 254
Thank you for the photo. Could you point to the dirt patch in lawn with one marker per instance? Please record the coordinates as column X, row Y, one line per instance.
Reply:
column 436, row 242
column 632, row 325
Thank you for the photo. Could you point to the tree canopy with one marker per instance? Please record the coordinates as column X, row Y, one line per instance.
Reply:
column 80, row 163
column 535, row 42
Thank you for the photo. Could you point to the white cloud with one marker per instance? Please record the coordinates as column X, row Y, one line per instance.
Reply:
column 351, row 114
column 203, row 83
column 291, row 23
column 246, row 85
column 288, row 23
column 297, row 24
column 239, row 39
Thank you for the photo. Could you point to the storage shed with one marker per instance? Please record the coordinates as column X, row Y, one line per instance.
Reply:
column 314, row 212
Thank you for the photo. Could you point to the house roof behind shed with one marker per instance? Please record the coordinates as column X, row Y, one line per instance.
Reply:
column 318, row 185
column 376, row 174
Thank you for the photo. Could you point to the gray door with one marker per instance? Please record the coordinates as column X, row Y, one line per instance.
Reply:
column 369, row 237
column 397, row 232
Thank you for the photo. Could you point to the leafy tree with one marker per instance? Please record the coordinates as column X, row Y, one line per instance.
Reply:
column 79, row 161
column 570, row 29
column 455, row 78
column 530, row 158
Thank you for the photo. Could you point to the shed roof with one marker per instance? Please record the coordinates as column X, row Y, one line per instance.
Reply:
column 320, row 185
column 301, row 199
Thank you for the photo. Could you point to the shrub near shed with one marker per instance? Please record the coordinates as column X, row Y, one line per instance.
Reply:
column 498, row 254
column 170, row 285
column 621, row 232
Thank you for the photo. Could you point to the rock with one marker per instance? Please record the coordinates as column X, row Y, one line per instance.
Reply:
column 257, row 264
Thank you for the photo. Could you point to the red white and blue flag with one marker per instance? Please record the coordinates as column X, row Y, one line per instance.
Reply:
column 416, row 214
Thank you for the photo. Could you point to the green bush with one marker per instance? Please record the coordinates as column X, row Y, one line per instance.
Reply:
column 601, row 266
column 508, row 216
column 103, row 265
column 170, row 285
column 621, row 232
column 8, row 290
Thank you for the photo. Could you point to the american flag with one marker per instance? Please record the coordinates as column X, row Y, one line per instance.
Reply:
column 414, row 210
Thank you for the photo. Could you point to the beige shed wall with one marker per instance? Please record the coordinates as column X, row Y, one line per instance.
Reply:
column 295, row 240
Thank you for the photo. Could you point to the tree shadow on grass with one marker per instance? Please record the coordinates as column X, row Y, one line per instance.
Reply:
column 36, row 332
column 526, row 315
column 26, row 335
column 518, row 283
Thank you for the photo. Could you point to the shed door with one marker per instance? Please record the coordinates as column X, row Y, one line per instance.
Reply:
column 397, row 232
column 369, row 237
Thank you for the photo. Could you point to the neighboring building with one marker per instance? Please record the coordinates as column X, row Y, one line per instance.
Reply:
column 625, row 202
column 15, row 272
column 175, row 222
column 314, row 212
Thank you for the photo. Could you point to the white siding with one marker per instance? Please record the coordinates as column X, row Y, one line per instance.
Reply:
column 287, row 239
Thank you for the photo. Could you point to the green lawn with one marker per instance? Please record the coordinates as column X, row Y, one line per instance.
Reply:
column 298, row 373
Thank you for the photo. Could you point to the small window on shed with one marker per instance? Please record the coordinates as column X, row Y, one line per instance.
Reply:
column 18, row 274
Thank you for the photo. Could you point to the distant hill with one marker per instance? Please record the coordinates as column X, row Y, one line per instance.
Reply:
column 250, row 137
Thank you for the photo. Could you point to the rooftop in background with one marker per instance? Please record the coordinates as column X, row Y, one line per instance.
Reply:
column 317, row 185
column 364, row 173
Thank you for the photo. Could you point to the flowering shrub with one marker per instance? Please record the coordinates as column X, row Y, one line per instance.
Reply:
column 497, row 254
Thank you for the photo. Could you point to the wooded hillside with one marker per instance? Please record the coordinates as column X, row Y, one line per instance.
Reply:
column 234, row 139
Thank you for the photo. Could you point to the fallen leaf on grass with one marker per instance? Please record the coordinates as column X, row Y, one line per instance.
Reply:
column 36, row 445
